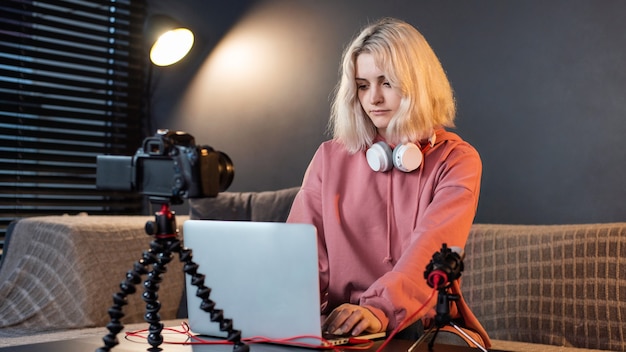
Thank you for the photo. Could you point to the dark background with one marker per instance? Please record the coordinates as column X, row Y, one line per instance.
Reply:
column 540, row 87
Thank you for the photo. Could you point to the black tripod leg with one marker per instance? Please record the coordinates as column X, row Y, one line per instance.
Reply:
column 127, row 287
column 151, row 296
column 421, row 339
column 207, row 305
column 431, row 343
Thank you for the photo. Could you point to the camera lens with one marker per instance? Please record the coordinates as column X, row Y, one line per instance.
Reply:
column 226, row 171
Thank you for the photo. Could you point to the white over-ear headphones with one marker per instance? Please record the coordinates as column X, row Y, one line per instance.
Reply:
column 405, row 157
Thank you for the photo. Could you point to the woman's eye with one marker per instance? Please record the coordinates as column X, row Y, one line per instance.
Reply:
column 361, row 86
column 387, row 84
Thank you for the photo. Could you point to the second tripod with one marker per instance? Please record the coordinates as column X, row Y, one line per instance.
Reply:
column 444, row 268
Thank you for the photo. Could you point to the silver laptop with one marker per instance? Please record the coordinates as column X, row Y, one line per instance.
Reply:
column 263, row 275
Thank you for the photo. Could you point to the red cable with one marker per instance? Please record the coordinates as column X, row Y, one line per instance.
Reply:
column 292, row 341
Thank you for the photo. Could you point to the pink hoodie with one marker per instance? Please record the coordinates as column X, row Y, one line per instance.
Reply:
column 378, row 231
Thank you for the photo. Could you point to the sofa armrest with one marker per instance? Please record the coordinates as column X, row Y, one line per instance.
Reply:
column 60, row 272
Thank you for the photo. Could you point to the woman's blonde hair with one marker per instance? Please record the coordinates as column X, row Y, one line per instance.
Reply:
column 409, row 64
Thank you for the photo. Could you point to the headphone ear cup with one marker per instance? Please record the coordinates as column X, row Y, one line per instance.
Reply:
column 407, row 157
column 379, row 157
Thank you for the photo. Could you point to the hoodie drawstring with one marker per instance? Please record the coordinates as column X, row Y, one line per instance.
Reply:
column 389, row 258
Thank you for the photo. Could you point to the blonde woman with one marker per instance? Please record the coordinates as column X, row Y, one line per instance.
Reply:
column 391, row 186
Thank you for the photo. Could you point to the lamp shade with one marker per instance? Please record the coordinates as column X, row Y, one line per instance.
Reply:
column 167, row 40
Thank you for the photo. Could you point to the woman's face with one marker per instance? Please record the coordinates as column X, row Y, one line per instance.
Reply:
column 379, row 99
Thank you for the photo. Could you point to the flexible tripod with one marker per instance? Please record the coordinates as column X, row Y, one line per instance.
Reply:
column 165, row 243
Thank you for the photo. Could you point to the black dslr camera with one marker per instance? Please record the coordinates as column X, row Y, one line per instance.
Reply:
column 168, row 166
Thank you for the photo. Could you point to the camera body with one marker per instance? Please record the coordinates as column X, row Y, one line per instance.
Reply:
column 167, row 166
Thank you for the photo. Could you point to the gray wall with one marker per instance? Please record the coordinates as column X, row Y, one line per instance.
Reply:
column 540, row 85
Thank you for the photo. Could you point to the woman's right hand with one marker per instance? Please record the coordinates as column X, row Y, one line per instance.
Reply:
column 351, row 319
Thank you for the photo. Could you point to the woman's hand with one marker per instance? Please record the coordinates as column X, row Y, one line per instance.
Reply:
column 352, row 319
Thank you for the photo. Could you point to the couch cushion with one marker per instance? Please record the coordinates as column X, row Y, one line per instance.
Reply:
column 553, row 284
column 270, row 206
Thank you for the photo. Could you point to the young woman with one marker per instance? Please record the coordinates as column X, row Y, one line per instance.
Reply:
column 391, row 186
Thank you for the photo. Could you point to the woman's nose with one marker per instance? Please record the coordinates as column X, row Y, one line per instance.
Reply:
column 376, row 96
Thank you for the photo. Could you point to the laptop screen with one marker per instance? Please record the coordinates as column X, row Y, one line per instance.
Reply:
column 263, row 275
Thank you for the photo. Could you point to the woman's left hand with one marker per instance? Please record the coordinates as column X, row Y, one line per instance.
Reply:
column 352, row 319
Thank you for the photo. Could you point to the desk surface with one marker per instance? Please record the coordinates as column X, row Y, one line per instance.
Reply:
column 90, row 339
column 93, row 343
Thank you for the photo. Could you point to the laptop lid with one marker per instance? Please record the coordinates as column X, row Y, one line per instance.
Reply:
column 263, row 275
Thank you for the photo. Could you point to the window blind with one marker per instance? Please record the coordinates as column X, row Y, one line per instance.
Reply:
column 71, row 88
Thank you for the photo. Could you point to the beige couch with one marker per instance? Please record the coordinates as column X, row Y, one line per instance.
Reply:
column 60, row 272
column 561, row 285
